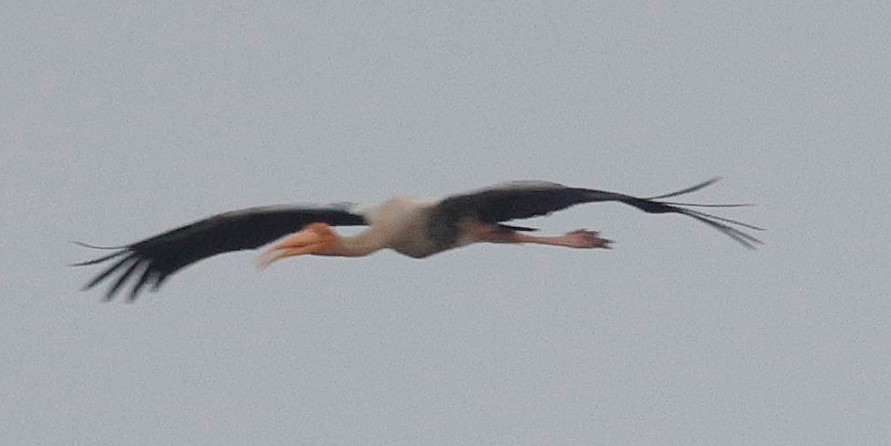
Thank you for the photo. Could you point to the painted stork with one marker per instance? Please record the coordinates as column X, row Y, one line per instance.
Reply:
column 411, row 226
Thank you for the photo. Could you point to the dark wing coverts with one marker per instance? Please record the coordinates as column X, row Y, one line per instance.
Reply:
column 154, row 259
column 529, row 199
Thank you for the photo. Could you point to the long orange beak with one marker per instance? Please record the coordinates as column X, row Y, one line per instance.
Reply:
column 315, row 238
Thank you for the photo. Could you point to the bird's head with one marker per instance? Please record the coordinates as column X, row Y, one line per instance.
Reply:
column 315, row 238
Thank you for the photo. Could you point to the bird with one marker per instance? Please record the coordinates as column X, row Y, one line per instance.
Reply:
column 415, row 227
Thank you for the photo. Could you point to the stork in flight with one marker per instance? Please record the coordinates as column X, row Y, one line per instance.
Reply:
column 411, row 226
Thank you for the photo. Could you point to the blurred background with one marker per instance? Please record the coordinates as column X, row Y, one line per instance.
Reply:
column 122, row 120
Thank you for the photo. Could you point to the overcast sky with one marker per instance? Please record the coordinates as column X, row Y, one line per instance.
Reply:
column 119, row 121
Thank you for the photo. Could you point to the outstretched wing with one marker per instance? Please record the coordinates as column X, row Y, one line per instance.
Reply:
column 527, row 199
column 154, row 259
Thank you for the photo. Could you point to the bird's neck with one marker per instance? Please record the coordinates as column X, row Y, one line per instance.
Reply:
column 361, row 244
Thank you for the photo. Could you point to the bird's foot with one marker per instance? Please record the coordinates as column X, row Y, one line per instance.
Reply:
column 583, row 238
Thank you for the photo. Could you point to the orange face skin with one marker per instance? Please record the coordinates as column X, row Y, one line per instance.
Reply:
column 315, row 238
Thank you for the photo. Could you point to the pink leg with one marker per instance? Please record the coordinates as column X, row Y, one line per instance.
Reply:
column 580, row 238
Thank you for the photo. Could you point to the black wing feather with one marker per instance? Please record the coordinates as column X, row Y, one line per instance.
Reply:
column 525, row 200
column 154, row 259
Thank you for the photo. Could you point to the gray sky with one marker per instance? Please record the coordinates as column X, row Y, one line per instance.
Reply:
column 121, row 121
